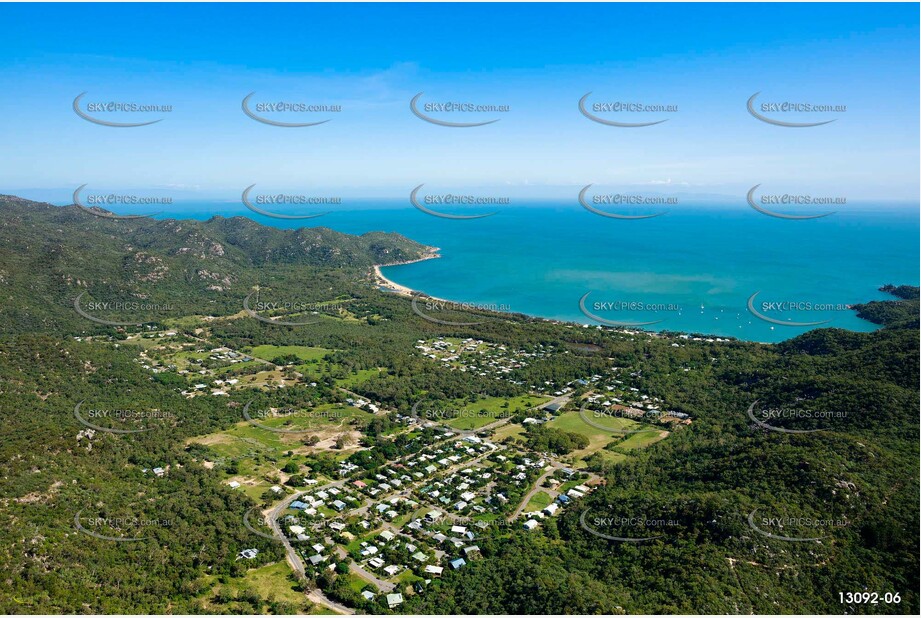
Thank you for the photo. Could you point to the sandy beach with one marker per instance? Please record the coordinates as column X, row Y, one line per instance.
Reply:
column 393, row 286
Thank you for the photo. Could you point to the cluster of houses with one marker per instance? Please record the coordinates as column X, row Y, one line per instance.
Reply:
column 458, row 490
column 223, row 356
column 579, row 491
column 629, row 402
column 480, row 357
column 326, row 502
column 361, row 403
column 425, row 463
column 429, row 544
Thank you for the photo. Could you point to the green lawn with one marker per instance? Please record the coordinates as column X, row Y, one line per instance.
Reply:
column 354, row 379
column 612, row 456
column 485, row 411
column 260, row 452
column 538, row 502
column 269, row 581
column 305, row 353
column 507, row 431
column 598, row 438
column 356, row 583
column 641, row 440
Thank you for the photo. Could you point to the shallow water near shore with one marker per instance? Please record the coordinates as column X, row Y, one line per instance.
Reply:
column 692, row 270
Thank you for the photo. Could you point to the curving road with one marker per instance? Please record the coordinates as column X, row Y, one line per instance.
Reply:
column 316, row 595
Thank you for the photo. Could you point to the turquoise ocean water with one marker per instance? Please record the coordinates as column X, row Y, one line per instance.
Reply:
column 692, row 270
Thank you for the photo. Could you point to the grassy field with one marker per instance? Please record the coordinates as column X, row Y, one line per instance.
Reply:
column 356, row 583
column 598, row 438
column 485, row 411
column 361, row 375
column 510, row 430
column 304, row 353
column 538, row 502
column 641, row 440
column 611, row 456
column 260, row 452
column 269, row 581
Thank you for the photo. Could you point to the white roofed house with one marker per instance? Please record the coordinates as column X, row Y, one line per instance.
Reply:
column 394, row 599
column 551, row 509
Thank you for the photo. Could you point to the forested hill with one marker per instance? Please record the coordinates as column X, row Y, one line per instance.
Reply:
column 815, row 439
column 840, row 496
column 50, row 254
column 903, row 312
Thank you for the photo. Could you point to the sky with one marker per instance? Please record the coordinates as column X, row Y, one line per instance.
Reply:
column 539, row 60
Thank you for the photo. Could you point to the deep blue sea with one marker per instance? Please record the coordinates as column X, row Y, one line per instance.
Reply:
column 692, row 270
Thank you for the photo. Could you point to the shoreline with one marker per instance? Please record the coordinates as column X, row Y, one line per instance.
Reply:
column 391, row 286
column 396, row 288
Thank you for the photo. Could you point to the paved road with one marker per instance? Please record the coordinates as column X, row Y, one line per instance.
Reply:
column 316, row 595
column 537, row 487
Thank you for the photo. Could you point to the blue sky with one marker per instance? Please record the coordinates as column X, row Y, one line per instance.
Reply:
column 537, row 59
